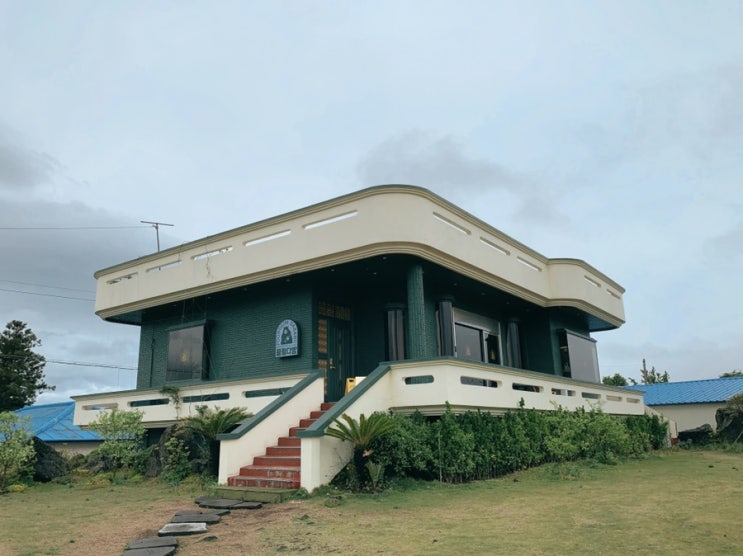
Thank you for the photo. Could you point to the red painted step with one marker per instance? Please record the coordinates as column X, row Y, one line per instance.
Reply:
column 283, row 451
column 290, row 441
column 280, row 467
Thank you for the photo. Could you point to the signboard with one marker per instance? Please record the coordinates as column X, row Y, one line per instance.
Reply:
column 287, row 339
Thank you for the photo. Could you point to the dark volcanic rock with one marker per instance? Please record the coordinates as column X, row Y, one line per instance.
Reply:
column 50, row 464
column 729, row 424
column 699, row 435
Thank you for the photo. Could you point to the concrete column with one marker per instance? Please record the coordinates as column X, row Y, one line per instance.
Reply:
column 416, row 330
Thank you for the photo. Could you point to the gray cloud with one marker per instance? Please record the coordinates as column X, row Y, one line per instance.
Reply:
column 441, row 163
column 436, row 161
column 21, row 167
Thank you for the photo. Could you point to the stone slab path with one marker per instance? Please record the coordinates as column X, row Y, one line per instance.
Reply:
column 187, row 522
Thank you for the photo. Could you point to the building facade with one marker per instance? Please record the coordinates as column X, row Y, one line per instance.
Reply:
column 390, row 277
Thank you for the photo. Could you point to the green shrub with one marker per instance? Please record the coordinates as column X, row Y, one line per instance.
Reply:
column 479, row 445
column 16, row 449
column 123, row 435
column 405, row 451
column 176, row 466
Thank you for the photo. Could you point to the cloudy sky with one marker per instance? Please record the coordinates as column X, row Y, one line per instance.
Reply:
column 608, row 131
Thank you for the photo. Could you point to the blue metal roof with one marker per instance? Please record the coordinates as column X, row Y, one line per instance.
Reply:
column 714, row 390
column 53, row 423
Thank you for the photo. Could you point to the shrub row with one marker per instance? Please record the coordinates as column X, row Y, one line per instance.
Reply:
column 478, row 445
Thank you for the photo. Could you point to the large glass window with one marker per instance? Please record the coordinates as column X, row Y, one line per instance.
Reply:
column 473, row 337
column 469, row 342
column 579, row 358
column 187, row 353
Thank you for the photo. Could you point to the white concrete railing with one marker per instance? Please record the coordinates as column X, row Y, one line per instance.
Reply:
column 160, row 410
column 466, row 386
column 427, row 387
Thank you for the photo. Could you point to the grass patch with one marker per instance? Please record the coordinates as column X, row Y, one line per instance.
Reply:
column 90, row 517
column 666, row 503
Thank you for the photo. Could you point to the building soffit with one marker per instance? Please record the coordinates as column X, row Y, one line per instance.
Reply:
column 421, row 250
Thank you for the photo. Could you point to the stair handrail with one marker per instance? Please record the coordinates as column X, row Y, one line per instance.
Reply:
column 317, row 428
column 264, row 413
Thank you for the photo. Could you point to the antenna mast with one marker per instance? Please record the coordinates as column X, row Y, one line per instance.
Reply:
column 156, row 225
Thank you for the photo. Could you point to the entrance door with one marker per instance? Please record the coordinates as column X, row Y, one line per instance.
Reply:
column 335, row 356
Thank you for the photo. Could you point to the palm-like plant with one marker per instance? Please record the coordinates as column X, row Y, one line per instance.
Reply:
column 210, row 423
column 361, row 433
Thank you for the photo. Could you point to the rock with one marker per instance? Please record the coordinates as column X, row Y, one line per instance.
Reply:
column 729, row 424
column 699, row 435
column 158, row 551
column 196, row 518
column 50, row 464
column 182, row 529
column 199, row 512
column 196, row 444
column 154, row 542
column 247, row 506
column 218, row 503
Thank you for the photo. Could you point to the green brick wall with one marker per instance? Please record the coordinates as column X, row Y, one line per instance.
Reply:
column 242, row 324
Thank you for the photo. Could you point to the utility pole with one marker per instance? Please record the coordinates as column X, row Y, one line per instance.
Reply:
column 156, row 225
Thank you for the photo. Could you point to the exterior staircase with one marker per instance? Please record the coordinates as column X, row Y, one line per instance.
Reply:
column 280, row 467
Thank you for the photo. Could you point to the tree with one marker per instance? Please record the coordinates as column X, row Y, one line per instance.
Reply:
column 16, row 449
column 123, row 434
column 731, row 374
column 21, row 369
column 652, row 376
column 615, row 380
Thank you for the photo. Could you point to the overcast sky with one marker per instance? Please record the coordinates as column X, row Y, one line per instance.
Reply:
column 607, row 131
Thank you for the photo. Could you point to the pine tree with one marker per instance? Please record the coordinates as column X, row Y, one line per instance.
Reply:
column 21, row 369
column 652, row 376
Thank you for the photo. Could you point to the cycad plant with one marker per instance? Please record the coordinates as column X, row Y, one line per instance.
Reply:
column 210, row 423
column 361, row 433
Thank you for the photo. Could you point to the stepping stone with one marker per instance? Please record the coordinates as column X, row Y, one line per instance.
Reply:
column 218, row 503
column 196, row 518
column 157, row 551
column 182, row 529
column 199, row 512
column 247, row 506
column 154, row 542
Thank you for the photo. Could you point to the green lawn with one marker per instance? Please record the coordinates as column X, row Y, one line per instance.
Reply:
column 681, row 502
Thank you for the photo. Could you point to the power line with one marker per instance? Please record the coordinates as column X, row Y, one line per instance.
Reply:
column 45, row 286
column 46, row 294
column 26, row 228
column 75, row 363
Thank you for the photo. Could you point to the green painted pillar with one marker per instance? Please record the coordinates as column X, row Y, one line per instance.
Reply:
column 417, row 333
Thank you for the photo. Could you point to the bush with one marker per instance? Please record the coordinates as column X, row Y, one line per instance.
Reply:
column 16, row 449
column 453, row 452
column 176, row 466
column 406, row 450
column 123, row 435
column 479, row 445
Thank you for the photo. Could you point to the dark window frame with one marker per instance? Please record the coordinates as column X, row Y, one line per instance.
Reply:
column 188, row 352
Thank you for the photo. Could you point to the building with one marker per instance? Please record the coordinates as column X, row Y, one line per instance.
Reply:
column 692, row 403
column 392, row 289
column 53, row 424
